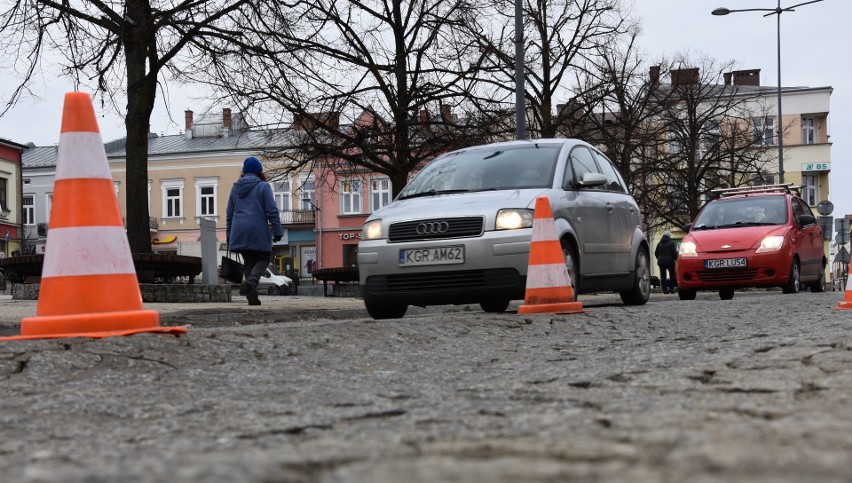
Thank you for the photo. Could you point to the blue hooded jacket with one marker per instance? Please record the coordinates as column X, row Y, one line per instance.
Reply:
column 251, row 208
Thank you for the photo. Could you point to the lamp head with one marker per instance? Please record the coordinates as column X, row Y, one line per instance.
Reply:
column 721, row 11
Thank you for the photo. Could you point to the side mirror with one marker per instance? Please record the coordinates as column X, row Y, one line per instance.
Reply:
column 593, row 179
column 806, row 220
column 686, row 227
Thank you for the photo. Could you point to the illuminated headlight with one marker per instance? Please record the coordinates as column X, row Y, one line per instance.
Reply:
column 372, row 230
column 513, row 219
column 770, row 244
column 687, row 249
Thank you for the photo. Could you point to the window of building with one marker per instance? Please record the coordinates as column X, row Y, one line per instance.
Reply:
column 764, row 131
column 29, row 209
column 4, row 194
column 206, row 191
column 48, row 205
column 307, row 194
column 172, row 198
column 711, row 135
column 808, row 130
column 350, row 196
column 380, row 193
column 282, row 194
column 810, row 189
column 674, row 144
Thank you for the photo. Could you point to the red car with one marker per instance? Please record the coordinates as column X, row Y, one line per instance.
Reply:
column 764, row 236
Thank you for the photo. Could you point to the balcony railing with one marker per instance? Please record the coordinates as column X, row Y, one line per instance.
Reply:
column 298, row 217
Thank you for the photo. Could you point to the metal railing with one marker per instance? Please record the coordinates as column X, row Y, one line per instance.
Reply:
column 298, row 217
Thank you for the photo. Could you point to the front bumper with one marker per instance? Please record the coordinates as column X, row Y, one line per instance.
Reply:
column 761, row 270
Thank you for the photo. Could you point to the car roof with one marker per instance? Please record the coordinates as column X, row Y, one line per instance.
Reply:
column 746, row 191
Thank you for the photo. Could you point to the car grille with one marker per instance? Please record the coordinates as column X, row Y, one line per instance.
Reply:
column 419, row 282
column 728, row 276
column 455, row 228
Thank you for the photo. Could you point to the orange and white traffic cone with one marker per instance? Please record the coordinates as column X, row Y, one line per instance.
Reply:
column 549, row 289
column 88, row 282
column 846, row 303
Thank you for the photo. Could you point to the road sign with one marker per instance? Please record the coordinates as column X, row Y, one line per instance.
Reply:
column 842, row 256
column 841, row 224
column 842, row 237
column 825, row 223
column 825, row 207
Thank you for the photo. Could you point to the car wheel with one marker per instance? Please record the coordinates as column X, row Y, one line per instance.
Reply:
column 273, row 290
column 385, row 310
column 793, row 284
column 571, row 265
column 819, row 286
column 726, row 293
column 641, row 291
column 686, row 294
column 495, row 306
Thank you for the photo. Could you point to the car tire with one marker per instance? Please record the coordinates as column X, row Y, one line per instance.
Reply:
column 686, row 294
column 385, row 310
column 726, row 293
column 819, row 285
column 273, row 290
column 572, row 267
column 494, row 306
column 641, row 290
column 793, row 284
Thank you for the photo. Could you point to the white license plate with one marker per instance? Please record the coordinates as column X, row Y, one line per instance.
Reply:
column 432, row 256
column 725, row 263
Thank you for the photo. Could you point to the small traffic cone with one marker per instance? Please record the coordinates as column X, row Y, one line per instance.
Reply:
column 846, row 303
column 88, row 282
column 549, row 289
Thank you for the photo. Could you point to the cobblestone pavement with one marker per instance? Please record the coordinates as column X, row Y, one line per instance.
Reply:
column 758, row 388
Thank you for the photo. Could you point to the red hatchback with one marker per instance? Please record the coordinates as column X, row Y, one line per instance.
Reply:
column 764, row 236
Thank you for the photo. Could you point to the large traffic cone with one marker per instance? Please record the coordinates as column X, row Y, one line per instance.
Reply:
column 88, row 282
column 846, row 303
column 549, row 289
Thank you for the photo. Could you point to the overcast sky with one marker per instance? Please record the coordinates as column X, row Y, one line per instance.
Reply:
column 815, row 51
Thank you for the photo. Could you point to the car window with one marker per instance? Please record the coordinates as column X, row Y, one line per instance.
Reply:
column 737, row 212
column 614, row 181
column 801, row 208
column 498, row 167
column 582, row 162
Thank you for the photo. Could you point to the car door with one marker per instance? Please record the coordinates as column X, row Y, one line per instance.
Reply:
column 810, row 241
column 623, row 216
column 585, row 208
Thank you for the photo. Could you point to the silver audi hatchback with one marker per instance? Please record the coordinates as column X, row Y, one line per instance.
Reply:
column 459, row 232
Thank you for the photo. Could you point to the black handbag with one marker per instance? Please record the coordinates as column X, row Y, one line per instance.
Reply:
column 231, row 270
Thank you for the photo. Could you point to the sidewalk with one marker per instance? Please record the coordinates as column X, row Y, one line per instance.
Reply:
column 12, row 311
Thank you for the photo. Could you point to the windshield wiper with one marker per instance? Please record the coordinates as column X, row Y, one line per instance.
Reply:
column 432, row 193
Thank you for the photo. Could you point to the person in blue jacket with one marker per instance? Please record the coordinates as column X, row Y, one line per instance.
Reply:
column 251, row 211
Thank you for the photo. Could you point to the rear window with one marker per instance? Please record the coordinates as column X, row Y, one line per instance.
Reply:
column 493, row 168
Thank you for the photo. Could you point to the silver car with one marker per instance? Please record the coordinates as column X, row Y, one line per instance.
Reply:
column 459, row 232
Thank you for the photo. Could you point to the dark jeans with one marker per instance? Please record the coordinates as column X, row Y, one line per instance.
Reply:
column 668, row 279
column 254, row 264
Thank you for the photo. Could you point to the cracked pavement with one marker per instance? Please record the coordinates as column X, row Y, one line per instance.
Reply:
column 758, row 388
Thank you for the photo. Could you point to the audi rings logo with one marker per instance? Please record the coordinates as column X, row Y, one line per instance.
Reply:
column 432, row 227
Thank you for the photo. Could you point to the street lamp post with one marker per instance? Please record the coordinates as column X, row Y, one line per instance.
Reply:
column 777, row 12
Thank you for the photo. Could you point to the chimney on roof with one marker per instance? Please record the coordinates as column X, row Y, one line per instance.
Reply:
column 684, row 76
column 331, row 120
column 750, row 77
column 654, row 74
column 188, row 119
column 424, row 116
column 226, row 118
column 727, row 76
column 446, row 113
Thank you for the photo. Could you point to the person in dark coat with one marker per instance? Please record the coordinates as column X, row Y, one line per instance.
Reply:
column 251, row 211
column 666, row 254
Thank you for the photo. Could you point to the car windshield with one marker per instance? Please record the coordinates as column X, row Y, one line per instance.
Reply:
column 493, row 168
column 748, row 211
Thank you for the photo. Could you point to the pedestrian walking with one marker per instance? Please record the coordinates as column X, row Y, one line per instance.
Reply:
column 666, row 254
column 251, row 210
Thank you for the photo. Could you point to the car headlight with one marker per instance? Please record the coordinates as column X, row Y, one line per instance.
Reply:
column 372, row 230
column 687, row 249
column 513, row 219
column 770, row 244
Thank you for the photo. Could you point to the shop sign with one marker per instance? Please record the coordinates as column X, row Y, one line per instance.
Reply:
column 816, row 167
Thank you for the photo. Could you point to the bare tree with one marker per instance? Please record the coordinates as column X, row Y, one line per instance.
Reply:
column 119, row 49
column 562, row 40
column 709, row 139
column 376, row 86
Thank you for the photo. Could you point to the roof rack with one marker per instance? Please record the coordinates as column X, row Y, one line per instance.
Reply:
column 787, row 188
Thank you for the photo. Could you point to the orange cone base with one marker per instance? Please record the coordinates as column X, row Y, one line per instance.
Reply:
column 97, row 325
column 557, row 308
column 844, row 306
